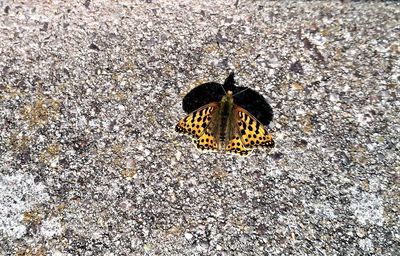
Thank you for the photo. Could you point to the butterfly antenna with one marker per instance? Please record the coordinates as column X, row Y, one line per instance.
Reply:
column 241, row 91
column 223, row 88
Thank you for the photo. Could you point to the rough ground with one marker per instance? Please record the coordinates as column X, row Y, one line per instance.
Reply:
column 90, row 92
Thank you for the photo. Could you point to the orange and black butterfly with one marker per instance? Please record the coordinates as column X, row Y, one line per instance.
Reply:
column 226, row 118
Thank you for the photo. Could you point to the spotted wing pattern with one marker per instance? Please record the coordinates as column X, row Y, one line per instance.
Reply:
column 235, row 145
column 196, row 125
column 253, row 134
column 247, row 132
column 207, row 141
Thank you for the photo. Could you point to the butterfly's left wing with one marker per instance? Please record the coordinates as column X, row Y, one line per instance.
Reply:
column 196, row 125
column 202, row 95
column 252, row 132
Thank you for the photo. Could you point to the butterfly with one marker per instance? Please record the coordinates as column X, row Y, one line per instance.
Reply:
column 221, row 120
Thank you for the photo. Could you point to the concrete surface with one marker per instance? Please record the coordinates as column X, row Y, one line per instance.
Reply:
column 90, row 92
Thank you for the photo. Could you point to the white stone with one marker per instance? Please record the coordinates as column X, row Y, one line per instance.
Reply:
column 188, row 236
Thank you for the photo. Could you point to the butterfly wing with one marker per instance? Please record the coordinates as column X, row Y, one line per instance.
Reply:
column 207, row 141
column 254, row 103
column 197, row 125
column 202, row 95
column 235, row 144
column 252, row 133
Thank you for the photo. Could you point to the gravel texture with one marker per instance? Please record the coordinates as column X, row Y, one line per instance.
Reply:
column 90, row 92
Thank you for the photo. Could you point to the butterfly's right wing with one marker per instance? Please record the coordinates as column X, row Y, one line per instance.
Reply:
column 253, row 133
column 235, row 144
column 197, row 125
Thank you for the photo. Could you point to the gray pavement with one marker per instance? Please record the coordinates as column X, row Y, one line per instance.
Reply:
column 90, row 93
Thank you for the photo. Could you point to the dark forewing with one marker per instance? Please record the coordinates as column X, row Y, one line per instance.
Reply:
column 254, row 103
column 202, row 95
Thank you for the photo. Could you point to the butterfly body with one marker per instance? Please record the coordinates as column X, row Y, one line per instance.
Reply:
column 222, row 127
column 225, row 126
